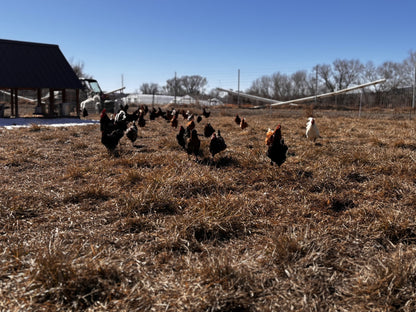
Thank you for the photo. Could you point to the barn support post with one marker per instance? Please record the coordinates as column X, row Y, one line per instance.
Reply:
column 11, row 102
column 39, row 96
column 16, row 103
column 39, row 108
column 63, row 92
column 51, row 102
column 77, row 101
column 63, row 95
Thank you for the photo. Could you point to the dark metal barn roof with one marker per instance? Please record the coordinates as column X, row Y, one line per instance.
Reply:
column 29, row 65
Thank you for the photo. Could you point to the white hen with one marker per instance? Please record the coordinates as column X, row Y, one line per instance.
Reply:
column 312, row 132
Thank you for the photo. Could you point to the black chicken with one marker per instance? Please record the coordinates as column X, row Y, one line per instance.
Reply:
column 160, row 113
column 277, row 148
column 193, row 144
column 111, row 133
column 184, row 114
column 124, row 107
column 243, row 123
column 111, row 139
column 84, row 112
column 237, row 119
column 134, row 116
column 217, row 144
column 180, row 137
column 105, row 122
column 141, row 121
column 208, row 130
column 152, row 114
column 205, row 113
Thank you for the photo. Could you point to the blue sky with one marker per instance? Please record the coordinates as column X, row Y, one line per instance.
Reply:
column 150, row 40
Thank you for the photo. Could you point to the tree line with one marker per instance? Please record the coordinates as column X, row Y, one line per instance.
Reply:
column 323, row 78
column 341, row 74
column 185, row 85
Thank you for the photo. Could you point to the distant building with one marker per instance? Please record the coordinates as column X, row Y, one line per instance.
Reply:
column 149, row 99
column 215, row 102
column 186, row 100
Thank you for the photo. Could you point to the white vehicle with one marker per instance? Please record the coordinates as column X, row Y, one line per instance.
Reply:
column 93, row 99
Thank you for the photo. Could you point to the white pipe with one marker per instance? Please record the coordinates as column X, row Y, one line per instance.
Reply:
column 19, row 96
column 309, row 98
column 249, row 96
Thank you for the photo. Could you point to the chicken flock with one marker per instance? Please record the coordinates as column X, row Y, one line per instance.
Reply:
column 124, row 123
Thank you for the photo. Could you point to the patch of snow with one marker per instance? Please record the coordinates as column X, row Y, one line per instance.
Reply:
column 11, row 123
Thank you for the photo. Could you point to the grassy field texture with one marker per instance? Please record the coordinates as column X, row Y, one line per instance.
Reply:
column 332, row 229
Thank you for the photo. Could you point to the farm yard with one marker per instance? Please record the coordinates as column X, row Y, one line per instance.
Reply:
column 151, row 229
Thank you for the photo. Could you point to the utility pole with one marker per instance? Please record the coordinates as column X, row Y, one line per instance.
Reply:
column 238, row 92
column 174, row 89
column 316, row 83
column 414, row 86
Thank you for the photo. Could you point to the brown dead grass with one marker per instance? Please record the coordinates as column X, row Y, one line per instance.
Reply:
column 332, row 229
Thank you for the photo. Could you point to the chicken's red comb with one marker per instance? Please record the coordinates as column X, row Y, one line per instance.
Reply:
column 103, row 112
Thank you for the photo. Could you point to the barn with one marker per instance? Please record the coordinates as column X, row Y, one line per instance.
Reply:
column 37, row 68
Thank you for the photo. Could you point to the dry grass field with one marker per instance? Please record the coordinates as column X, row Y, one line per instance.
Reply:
column 149, row 229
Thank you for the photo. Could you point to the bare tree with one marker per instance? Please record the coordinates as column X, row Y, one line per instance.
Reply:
column 346, row 72
column 410, row 67
column 313, row 86
column 261, row 87
column 79, row 69
column 282, row 86
column 174, row 87
column 393, row 72
column 300, row 85
column 369, row 72
column 325, row 73
column 193, row 85
column 149, row 88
